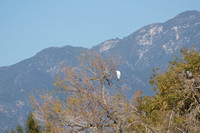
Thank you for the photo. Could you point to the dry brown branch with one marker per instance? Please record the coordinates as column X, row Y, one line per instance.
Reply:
column 86, row 106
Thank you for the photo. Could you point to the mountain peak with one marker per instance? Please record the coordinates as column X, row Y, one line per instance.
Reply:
column 185, row 17
column 189, row 13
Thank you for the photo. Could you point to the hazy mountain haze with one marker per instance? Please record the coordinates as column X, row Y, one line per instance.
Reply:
column 27, row 27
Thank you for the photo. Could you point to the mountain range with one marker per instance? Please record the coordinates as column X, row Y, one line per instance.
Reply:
column 149, row 47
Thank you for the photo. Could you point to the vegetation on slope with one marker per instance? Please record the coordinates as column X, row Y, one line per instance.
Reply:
column 93, row 99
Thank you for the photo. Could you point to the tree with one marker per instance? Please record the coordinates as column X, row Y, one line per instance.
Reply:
column 13, row 131
column 175, row 107
column 32, row 125
column 92, row 100
column 19, row 129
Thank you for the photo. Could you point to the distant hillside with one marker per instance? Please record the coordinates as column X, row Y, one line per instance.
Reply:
column 151, row 46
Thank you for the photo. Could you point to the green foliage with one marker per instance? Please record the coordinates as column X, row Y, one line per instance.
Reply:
column 19, row 129
column 32, row 125
column 175, row 107
column 13, row 131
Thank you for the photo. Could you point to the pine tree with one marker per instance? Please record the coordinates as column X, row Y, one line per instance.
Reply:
column 13, row 131
column 19, row 129
column 32, row 125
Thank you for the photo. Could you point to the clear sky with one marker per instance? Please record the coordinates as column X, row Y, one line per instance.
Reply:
column 28, row 26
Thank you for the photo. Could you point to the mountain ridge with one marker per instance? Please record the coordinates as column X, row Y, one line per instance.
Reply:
column 150, row 46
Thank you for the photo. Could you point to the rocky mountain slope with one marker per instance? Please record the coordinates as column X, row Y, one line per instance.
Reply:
column 151, row 46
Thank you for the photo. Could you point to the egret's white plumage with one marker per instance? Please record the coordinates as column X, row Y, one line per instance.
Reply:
column 118, row 74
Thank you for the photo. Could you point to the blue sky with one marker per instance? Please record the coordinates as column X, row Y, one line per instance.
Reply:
column 28, row 26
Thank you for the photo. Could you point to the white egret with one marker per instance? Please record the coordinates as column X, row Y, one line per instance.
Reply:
column 118, row 74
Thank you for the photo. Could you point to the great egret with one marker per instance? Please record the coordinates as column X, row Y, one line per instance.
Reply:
column 118, row 74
